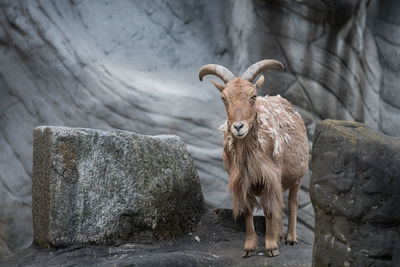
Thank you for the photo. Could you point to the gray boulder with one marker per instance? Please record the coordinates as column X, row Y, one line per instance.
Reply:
column 355, row 189
column 103, row 187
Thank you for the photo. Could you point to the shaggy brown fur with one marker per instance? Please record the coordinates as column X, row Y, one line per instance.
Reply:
column 265, row 153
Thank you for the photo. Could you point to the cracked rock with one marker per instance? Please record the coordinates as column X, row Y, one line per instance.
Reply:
column 354, row 191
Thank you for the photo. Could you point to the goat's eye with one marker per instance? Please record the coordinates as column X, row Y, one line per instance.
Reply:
column 253, row 97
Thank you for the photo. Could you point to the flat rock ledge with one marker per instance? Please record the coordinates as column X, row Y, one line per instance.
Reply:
column 108, row 187
column 217, row 241
column 355, row 189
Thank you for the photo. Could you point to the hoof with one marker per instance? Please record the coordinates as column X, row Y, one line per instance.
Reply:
column 272, row 253
column 246, row 254
column 289, row 240
column 250, row 245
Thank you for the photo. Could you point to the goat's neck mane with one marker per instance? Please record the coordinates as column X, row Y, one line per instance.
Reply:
column 243, row 151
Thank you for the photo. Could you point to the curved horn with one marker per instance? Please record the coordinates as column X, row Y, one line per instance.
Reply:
column 261, row 66
column 222, row 72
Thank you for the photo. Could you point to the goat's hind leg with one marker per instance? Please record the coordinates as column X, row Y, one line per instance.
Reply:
column 291, row 237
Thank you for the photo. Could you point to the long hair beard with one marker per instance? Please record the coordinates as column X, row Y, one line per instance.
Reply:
column 251, row 175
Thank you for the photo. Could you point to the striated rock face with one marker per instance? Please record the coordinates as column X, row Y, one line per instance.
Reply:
column 354, row 191
column 133, row 65
column 100, row 187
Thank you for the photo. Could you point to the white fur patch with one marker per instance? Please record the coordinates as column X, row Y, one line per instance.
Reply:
column 277, row 147
column 274, row 123
column 223, row 128
column 286, row 138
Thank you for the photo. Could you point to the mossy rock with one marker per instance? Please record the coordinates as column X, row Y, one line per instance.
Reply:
column 107, row 187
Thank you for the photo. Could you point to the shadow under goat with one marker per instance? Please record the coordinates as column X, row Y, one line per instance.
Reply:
column 265, row 152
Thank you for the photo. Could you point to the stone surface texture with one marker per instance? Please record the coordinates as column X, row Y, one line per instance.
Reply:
column 355, row 193
column 100, row 187
column 218, row 241
column 133, row 65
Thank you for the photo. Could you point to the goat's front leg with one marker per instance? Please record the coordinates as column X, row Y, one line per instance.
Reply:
column 272, row 233
column 251, row 236
column 280, row 231
column 272, row 204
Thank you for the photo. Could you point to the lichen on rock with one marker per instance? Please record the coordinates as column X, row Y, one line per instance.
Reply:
column 106, row 187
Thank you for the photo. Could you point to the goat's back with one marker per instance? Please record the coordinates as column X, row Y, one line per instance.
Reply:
column 282, row 135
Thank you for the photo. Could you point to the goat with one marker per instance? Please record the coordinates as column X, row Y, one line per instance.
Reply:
column 265, row 152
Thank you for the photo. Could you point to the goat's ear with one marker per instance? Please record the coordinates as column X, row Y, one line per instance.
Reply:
column 220, row 87
column 259, row 82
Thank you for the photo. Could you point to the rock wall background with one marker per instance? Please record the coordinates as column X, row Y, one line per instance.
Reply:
column 133, row 65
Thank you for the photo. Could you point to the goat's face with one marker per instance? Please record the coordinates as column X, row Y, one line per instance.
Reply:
column 239, row 97
column 239, row 93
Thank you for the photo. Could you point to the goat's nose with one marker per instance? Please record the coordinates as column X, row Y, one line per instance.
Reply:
column 238, row 126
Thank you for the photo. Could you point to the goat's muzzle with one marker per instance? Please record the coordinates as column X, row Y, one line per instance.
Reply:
column 240, row 129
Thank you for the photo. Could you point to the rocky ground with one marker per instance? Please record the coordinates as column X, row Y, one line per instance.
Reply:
column 218, row 241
